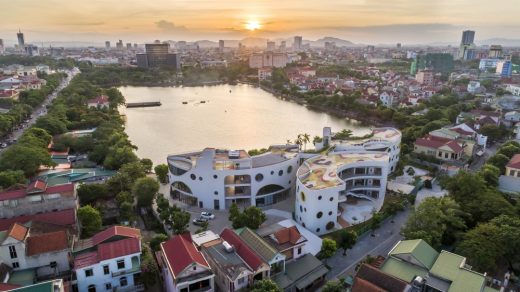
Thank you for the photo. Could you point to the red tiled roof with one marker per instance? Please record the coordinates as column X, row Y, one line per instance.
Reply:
column 85, row 260
column 438, row 142
column 514, row 162
column 115, row 249
column 36, row 187
column 242, row 249
column 99, row 99
column 8, row 287
column 112, row 231
column 180, row 253
column 285, row 235
column 17, row 231
column 361, row 285
column 47, row 242
column 63, row 217
column 380, row 279
column 462, row 131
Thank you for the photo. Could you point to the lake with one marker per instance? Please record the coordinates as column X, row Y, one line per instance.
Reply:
column 231, row 117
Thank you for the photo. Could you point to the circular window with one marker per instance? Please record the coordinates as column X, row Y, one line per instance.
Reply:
column 200, row 178
column 301, row 208
column 302, row 195
column 305, row 209
column 259, row 177
column 289, row 169
column 280, row 173
column 319, row 215
column 319, row 197
column 272, row 172
column 331, row 199
column 215, row 192
column 215, row 176
column 330, row 213
column 318, row 230
column 303, row 224
column 193, row 177
column 330, row 225
column 289, row 182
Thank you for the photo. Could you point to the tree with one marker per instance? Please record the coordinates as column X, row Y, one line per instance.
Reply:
column 234, row 212
column 89, row 193
column 25, row 158
column 333, row 286
column 252, row 217
column 492, row 243
column 490, row 174
column 493, row 131
column 265, row 285
column 126, row 211
column 328, row 248
column 156, row 241
column 117, row 156
column 124, row 197
column 499, row 160
column 161, row 171
column 180, row 219
column 90, row 220
column 145, row 190
column 9, row 178
column 375, row 222
column 147, row 164
column 509, row 150
column 149, row 269
column 51, row 124
column 347, row 240
column 436, row 221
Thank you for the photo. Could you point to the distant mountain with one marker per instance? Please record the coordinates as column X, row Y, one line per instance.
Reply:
column 207, row 44
column 500, row 41
column 339, row 42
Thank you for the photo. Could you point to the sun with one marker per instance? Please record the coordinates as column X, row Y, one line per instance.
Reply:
column 253, row 25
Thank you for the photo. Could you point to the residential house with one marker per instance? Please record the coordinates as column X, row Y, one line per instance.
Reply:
column 76, row 175
column 510, row 181
column 304, row 274
column 479, row 117
column 417, row 263
column 109, row 260
column 287, row 240
column 371, row 279
column 64, row 218
column 388, row 99
column 267, row 253
column 474, row 87
column 99, row 102
column 56, row 285
column 35, row 255
column 444, row 149
column 460, row 136
column 37, row 198
column 512, row 118
column 231, row 272
column 10, row 93
column 264, row 73
column 183, row 267
column 259, row 268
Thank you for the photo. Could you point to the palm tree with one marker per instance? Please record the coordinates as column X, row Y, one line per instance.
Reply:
column 306, row 139
column 289, row 141
column 299, row 141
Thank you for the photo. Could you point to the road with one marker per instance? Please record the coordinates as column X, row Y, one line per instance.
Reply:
column 385, row 238
column 42, row 109
column 479, row 161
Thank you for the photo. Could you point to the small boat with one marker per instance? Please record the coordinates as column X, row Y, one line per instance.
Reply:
column 230, row 90
column 202, row 101
column 184, row 102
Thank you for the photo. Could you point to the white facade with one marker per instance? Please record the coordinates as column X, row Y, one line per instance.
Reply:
column 325, row 182
column 215, row 178
column 268, row 59
column 514, row 89
column 473, row 86
column 116, row 277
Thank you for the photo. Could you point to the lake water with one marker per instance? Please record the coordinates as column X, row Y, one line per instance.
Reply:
column 232, row 117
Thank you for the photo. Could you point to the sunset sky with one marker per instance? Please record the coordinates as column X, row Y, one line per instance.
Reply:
column 366, row 21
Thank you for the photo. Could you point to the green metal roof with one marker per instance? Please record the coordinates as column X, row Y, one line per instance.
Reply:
column 258, row 244
column 301, row 272
column 22, row 277
column 40, row 287
column 419, row 249
column 402, row 270
column 467, row 281
column 74, row 175
column 447, row 265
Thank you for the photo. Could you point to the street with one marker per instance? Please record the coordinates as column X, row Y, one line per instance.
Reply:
column 386, row 236
column 41, row 109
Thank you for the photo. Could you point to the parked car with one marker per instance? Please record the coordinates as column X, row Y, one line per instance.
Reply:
column 199, row 221
column 207, row 215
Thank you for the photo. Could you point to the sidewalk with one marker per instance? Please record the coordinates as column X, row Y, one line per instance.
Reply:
column 385, row 238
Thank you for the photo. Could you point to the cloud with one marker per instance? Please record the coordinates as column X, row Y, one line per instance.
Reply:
column 83, row 23
column 169, row 26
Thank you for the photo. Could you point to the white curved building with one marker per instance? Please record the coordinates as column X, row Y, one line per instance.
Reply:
column 381, row 140
column 342, row 188
column 214, row 178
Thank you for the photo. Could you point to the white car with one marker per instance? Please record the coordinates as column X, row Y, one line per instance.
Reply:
column 207, row 215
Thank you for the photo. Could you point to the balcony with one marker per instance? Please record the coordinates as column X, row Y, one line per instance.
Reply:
column 237, row 180
column 237, row 191
column 136, row 267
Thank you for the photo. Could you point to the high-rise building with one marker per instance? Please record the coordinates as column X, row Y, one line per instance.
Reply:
column 135, row 46
column 424, row 77
column 119, row 45
column 31, row 50
column 158, row 55
column 271, row 46
column 268, row 59
column 128, row 46
column 283, row 45
column 438, row 62
column 398, row 45
column 504, row 68
column 221, row 45
column 21, row 39
column 468, row 37
column 107, row 45
column 2, row 48
column 467, row 48
column 297, row 44
column 495, row 51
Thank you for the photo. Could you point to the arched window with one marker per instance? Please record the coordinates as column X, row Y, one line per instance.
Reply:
column 91, row 288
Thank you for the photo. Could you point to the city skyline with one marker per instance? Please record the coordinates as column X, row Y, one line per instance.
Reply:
column 360, row 21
